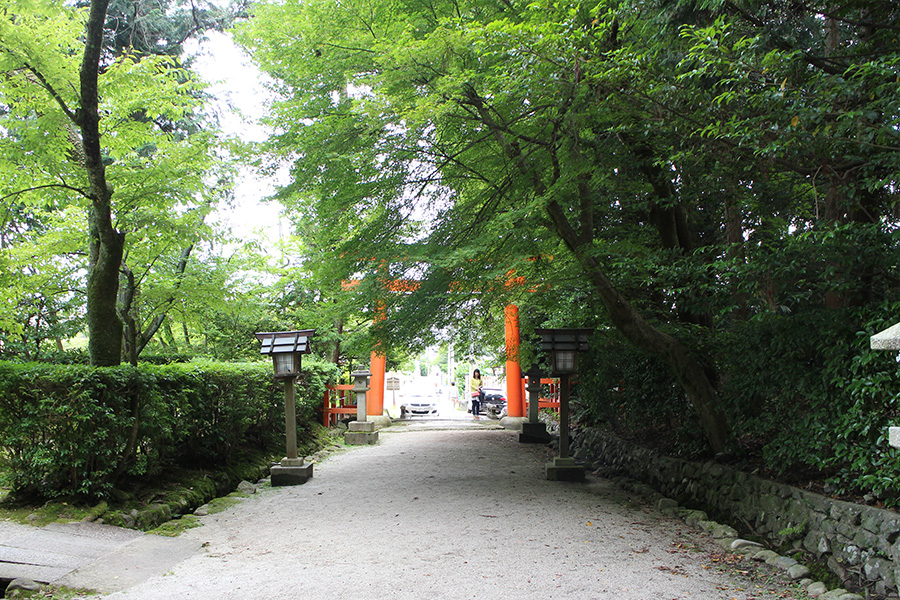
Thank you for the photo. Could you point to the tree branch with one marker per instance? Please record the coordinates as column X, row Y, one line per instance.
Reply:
column 62, row 186
column 158, row 320
column 42, row 81
column 825, row 65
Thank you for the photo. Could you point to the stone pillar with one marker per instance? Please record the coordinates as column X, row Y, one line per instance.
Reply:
column 290, row 420
column 533, row 430
column 563, row 467
column 889, row 339
column 564, row 416
column 361, row 431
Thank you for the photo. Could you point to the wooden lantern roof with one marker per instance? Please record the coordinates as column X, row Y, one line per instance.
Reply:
column 285, row 342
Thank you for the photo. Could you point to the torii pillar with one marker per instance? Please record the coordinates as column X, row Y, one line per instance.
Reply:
column 375, row 398
column 515, row 405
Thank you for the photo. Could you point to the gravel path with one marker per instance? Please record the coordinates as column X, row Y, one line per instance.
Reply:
column 448, row 514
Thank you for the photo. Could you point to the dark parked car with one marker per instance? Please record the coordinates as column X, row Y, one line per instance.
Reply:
column 494, row 404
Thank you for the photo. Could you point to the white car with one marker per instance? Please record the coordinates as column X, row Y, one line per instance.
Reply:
column 419, row 404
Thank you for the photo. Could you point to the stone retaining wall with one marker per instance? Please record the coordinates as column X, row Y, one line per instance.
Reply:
column 859, row 543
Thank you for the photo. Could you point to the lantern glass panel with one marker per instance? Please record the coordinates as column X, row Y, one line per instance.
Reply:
column 564, row 361
column 284, row 364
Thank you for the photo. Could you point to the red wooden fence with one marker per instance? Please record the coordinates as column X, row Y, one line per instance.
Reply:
column 549, row 397
column 339, row 401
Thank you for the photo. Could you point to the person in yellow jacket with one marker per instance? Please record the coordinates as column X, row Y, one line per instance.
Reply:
column 475, row 385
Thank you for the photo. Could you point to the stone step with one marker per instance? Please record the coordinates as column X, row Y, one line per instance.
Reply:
column 87, row 555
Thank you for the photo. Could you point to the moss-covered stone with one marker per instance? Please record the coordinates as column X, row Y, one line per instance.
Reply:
column 174, row 527
column 153, row 515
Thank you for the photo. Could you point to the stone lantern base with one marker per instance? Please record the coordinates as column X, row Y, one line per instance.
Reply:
column 291, row 471
column 564, row 469
column 534, row 433
column 360, row 433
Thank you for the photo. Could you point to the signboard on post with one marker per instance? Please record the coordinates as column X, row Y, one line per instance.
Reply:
column 392, row 384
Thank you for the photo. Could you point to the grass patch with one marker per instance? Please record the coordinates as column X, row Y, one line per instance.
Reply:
column 218, row 505
column 820, row 572
column 52, row 511
column 54, row 592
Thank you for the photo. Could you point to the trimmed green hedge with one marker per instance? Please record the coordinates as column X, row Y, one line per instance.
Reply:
column 73, row 430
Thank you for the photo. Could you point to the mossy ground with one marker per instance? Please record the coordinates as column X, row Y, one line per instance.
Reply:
column 181, row 489
column 53, row 593
column 52, row 511
column 174, row 527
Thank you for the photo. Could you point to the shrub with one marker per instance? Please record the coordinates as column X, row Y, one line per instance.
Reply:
column 806, row 398
column 633, row 393
column 71, row 430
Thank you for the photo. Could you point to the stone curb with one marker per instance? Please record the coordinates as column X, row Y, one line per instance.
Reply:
column 159, row 513
column 156, row 514
column 727, row 538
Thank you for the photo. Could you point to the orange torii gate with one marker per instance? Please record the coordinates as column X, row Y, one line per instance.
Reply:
column 515, row 394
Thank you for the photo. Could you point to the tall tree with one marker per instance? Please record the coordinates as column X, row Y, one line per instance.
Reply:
column 657, row 146
column 107, row 244
column 481, row 111
column 107, row 129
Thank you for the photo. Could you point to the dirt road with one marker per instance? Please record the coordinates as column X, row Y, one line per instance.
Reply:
column 444, row 514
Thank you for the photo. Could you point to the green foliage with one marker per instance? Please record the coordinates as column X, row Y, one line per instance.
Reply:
column 865, row 403
column 806, row 397
column 72, row 430
column 163, row 359
column 818, row 410
column 63, row 441
column 729, row 171
column 800, row 408
column 632, row 393
column 161, row 27
column 711, row 180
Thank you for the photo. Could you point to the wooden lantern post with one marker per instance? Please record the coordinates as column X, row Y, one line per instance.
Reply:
column 564, row 345
column 286, row 348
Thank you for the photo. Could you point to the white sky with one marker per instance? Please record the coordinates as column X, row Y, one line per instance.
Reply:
column 238, row 86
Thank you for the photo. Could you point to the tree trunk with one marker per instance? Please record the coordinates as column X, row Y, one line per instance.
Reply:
column 668, row 216
column 104, row 326
column 168, row 337
column 336, row 351
column 736, row 252
column 128, row 452
column 127, row 295
column 106, row 244
column 136, row 338
column 686, row 368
